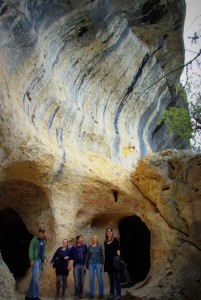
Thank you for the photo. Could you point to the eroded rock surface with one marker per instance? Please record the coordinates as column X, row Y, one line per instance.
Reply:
column 7, row 282
column 74, row 78
column 171, row 181
column 76, row 118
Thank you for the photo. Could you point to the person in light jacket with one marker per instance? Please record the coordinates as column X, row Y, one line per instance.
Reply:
column 95, row 262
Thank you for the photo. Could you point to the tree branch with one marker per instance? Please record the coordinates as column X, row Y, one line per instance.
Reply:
column 181, row 67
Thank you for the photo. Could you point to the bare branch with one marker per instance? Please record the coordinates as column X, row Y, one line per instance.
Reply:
column 175, row 70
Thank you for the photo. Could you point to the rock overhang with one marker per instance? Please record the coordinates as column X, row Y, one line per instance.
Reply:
column 78, row 115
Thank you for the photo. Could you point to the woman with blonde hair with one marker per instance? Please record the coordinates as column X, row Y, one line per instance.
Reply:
column 95, row 261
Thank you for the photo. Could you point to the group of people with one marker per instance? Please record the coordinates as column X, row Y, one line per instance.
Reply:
column 79, row 258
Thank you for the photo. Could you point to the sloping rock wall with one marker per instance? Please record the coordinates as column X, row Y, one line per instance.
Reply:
column 75, row 77
column 76, row 118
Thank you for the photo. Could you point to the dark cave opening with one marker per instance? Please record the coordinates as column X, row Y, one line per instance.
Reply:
column 14, row 242
column 135, row 248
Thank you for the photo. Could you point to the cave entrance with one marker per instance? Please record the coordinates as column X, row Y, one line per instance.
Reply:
column 14, row 242
column 135, row 248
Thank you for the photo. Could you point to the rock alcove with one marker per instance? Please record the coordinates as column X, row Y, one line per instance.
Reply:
column 14, row 243
column 135, row 248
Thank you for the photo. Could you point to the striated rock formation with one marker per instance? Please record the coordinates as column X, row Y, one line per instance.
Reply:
column 77, row 115
column 75, row 76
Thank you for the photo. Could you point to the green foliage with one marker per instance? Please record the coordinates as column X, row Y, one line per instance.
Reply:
column 178, row 121
column 181, row 91
column 193, row 90
column 186, row 122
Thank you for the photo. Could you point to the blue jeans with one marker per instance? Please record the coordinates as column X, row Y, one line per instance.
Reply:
column 114, row 283
column 79, row 274
column 33, row 290
column 61, row 281
column 92, row 269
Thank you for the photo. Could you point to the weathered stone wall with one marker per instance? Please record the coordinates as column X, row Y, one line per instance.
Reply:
column 164, row 191
column 171, row 181
column 7, row 282
column 76, row 117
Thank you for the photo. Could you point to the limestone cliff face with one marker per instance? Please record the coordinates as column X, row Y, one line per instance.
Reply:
column 76, row 117
column 75, row 76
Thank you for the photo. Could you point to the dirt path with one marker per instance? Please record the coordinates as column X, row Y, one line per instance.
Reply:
column 21, row 297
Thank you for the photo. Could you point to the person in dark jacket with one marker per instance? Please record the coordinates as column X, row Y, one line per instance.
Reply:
column 78, row 254
column 60, row 262
column 112, row 249
column 37, row 256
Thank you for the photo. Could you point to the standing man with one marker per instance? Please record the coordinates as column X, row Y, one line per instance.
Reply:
column 78, row 254
column 37, row 256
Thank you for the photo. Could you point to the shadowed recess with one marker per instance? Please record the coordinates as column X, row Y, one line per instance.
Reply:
column 14, row 242
column 135, row 248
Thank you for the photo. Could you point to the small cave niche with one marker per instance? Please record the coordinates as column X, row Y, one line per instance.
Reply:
column 14, row 242
column 135, row 248
column 101, row 222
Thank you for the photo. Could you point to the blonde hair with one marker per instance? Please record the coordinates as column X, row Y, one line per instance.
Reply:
column 95, row 236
